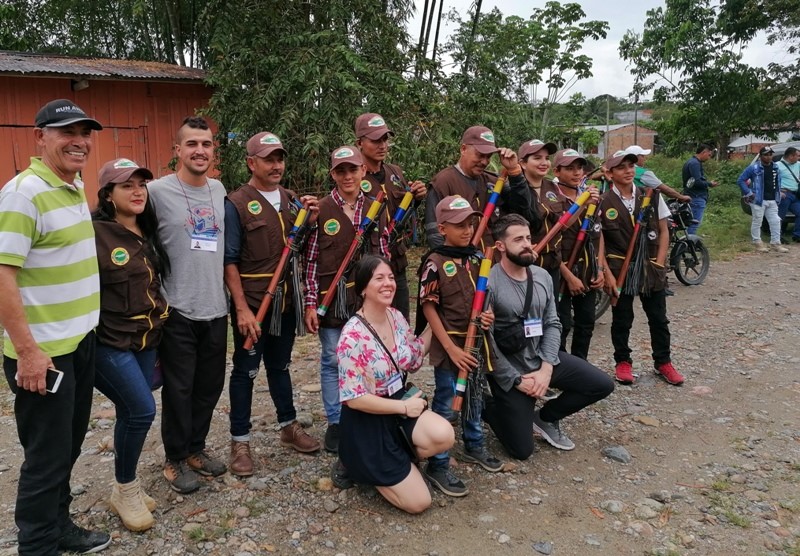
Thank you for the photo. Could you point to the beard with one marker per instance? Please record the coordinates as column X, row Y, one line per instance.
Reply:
column 524, row 258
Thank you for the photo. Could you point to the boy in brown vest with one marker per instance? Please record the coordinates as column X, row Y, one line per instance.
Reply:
column 258, row 218
column 619, row 208
column 447, row 286
column 340, row 214
column 372, row 139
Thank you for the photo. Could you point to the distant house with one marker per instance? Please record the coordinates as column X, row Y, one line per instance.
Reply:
column 621, row 136
column 744, row 146
column 629, row 116
column 140, row 104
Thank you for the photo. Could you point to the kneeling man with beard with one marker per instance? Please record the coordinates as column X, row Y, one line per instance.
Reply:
column 526, row 335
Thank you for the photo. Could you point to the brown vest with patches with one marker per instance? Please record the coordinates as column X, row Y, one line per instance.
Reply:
column 551, row 206
column 132, row 309
column 456, row 291
column 569, row 235
column 264, row 232
column 617, row 228
column 333, row 248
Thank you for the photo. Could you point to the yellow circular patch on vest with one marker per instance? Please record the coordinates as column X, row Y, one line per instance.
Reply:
column 254, row 207
column 120, row 256
column 366, row 186
column 552, row 197
column 331, row 227
column 612, row 214
column 449, row 269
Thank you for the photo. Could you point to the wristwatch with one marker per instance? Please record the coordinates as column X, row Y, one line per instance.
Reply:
column 517, row 381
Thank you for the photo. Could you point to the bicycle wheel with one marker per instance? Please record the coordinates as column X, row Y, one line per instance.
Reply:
column 691, row 261
column 601, row 303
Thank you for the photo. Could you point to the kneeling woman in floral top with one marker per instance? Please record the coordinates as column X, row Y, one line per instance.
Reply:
column 381, row 433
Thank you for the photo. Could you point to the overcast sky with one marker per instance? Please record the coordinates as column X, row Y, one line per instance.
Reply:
column 610, row 75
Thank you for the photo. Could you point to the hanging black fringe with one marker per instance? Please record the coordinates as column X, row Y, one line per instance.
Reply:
column 340, row 310
column 476, row 383
column 277, row 311
column 635, row 277
column 297, row 297
column 591, row 260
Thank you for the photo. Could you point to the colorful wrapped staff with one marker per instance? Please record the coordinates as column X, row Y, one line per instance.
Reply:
column 472, row 343
column 583, row 233
column 637, row 228
column 400, row 217
column 366, row 224
column 280, row 271
column 491, row 203
column 564, row 220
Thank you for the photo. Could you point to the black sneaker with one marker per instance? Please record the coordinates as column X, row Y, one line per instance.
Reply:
column 444, row 480
column 668, row 292
column 332, row 438
column 339, row 476
column 181, row 477
column 204, row 464
column 83, row 541
column 795, row 239
column 482, row 457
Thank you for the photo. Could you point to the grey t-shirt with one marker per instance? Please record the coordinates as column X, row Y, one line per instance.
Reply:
column 508, row 302
column 187, row 215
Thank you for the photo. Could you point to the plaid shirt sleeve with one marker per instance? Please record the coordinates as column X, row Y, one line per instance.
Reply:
column 312, row 283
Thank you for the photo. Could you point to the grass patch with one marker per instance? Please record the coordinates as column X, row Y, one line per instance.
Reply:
column 721, row 485
column 726, row 507
column 791, row 505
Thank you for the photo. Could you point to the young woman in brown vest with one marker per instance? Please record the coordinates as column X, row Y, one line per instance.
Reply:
column 132, row 313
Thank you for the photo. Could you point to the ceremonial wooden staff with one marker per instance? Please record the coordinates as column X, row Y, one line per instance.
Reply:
column 400, row 218
column 563, row 220
column 280, row 270
column 637, row 228
column 472, row 343
column 366, row 224
column 491, row 203
column 583, row 233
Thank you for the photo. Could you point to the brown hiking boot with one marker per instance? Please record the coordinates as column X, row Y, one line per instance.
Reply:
column 294, row 436
column 241, row 460
column 206, row 465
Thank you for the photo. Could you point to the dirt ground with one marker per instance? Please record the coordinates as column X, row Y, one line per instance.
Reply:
column 714, row 470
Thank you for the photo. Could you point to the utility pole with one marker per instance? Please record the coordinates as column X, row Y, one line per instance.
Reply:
column 608, row 117
column 636, row 119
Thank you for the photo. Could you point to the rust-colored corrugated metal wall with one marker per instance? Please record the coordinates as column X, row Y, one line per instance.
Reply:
column 139, row 118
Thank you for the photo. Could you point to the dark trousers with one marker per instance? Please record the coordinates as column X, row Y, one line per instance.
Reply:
column 276, row 353
column 510, row 414
column 193, row 362
column 401, row 295
column 577, row 314
column 51, row 429
column 655, row 307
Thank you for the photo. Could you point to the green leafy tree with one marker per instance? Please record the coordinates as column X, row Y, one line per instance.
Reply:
column 689, row 54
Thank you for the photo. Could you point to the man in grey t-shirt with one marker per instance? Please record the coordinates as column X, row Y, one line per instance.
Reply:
column 520, row 378
column 191, row 215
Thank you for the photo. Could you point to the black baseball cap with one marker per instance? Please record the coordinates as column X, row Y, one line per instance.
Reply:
column 63, row 112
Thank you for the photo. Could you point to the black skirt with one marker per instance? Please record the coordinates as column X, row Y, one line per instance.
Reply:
column 372, row 447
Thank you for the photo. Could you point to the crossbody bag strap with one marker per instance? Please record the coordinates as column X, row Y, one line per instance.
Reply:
column 796, row 178
column 385, row 349
column 528, row 294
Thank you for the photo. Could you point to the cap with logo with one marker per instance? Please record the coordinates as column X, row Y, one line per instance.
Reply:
column 346, row 155
column 534, row 146
column 565, row 157
column 120, row 170
column 618, row 158
column 637, row 150
column 263, row 144
column 372, row 126
column 766, row 150
column 63, row 112
column 481, row 138
column 454, row 209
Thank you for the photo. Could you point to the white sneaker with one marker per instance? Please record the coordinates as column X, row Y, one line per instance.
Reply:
column 778, row 248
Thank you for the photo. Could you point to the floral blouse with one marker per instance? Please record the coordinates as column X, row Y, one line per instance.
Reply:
column 364, row 366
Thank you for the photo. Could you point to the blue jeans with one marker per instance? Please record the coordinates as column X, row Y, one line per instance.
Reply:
column 445, row 380
column 276, row 352
column 125, row 377
column 790, row 203
column 329, row 373
column 698, row 205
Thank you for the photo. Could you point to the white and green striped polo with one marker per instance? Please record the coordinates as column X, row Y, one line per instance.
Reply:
column 46, row 231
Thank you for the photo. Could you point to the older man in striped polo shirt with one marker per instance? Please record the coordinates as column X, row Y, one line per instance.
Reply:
column 49, row 287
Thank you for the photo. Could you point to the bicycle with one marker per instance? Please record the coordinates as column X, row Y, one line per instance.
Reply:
column 689, row 258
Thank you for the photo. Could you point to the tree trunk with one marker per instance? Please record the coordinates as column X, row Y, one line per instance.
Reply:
column 173, row 17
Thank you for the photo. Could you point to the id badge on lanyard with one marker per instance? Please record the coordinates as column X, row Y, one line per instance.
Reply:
column 204, row 242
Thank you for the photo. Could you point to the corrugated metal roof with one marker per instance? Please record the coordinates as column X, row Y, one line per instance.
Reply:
column 24, row 63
